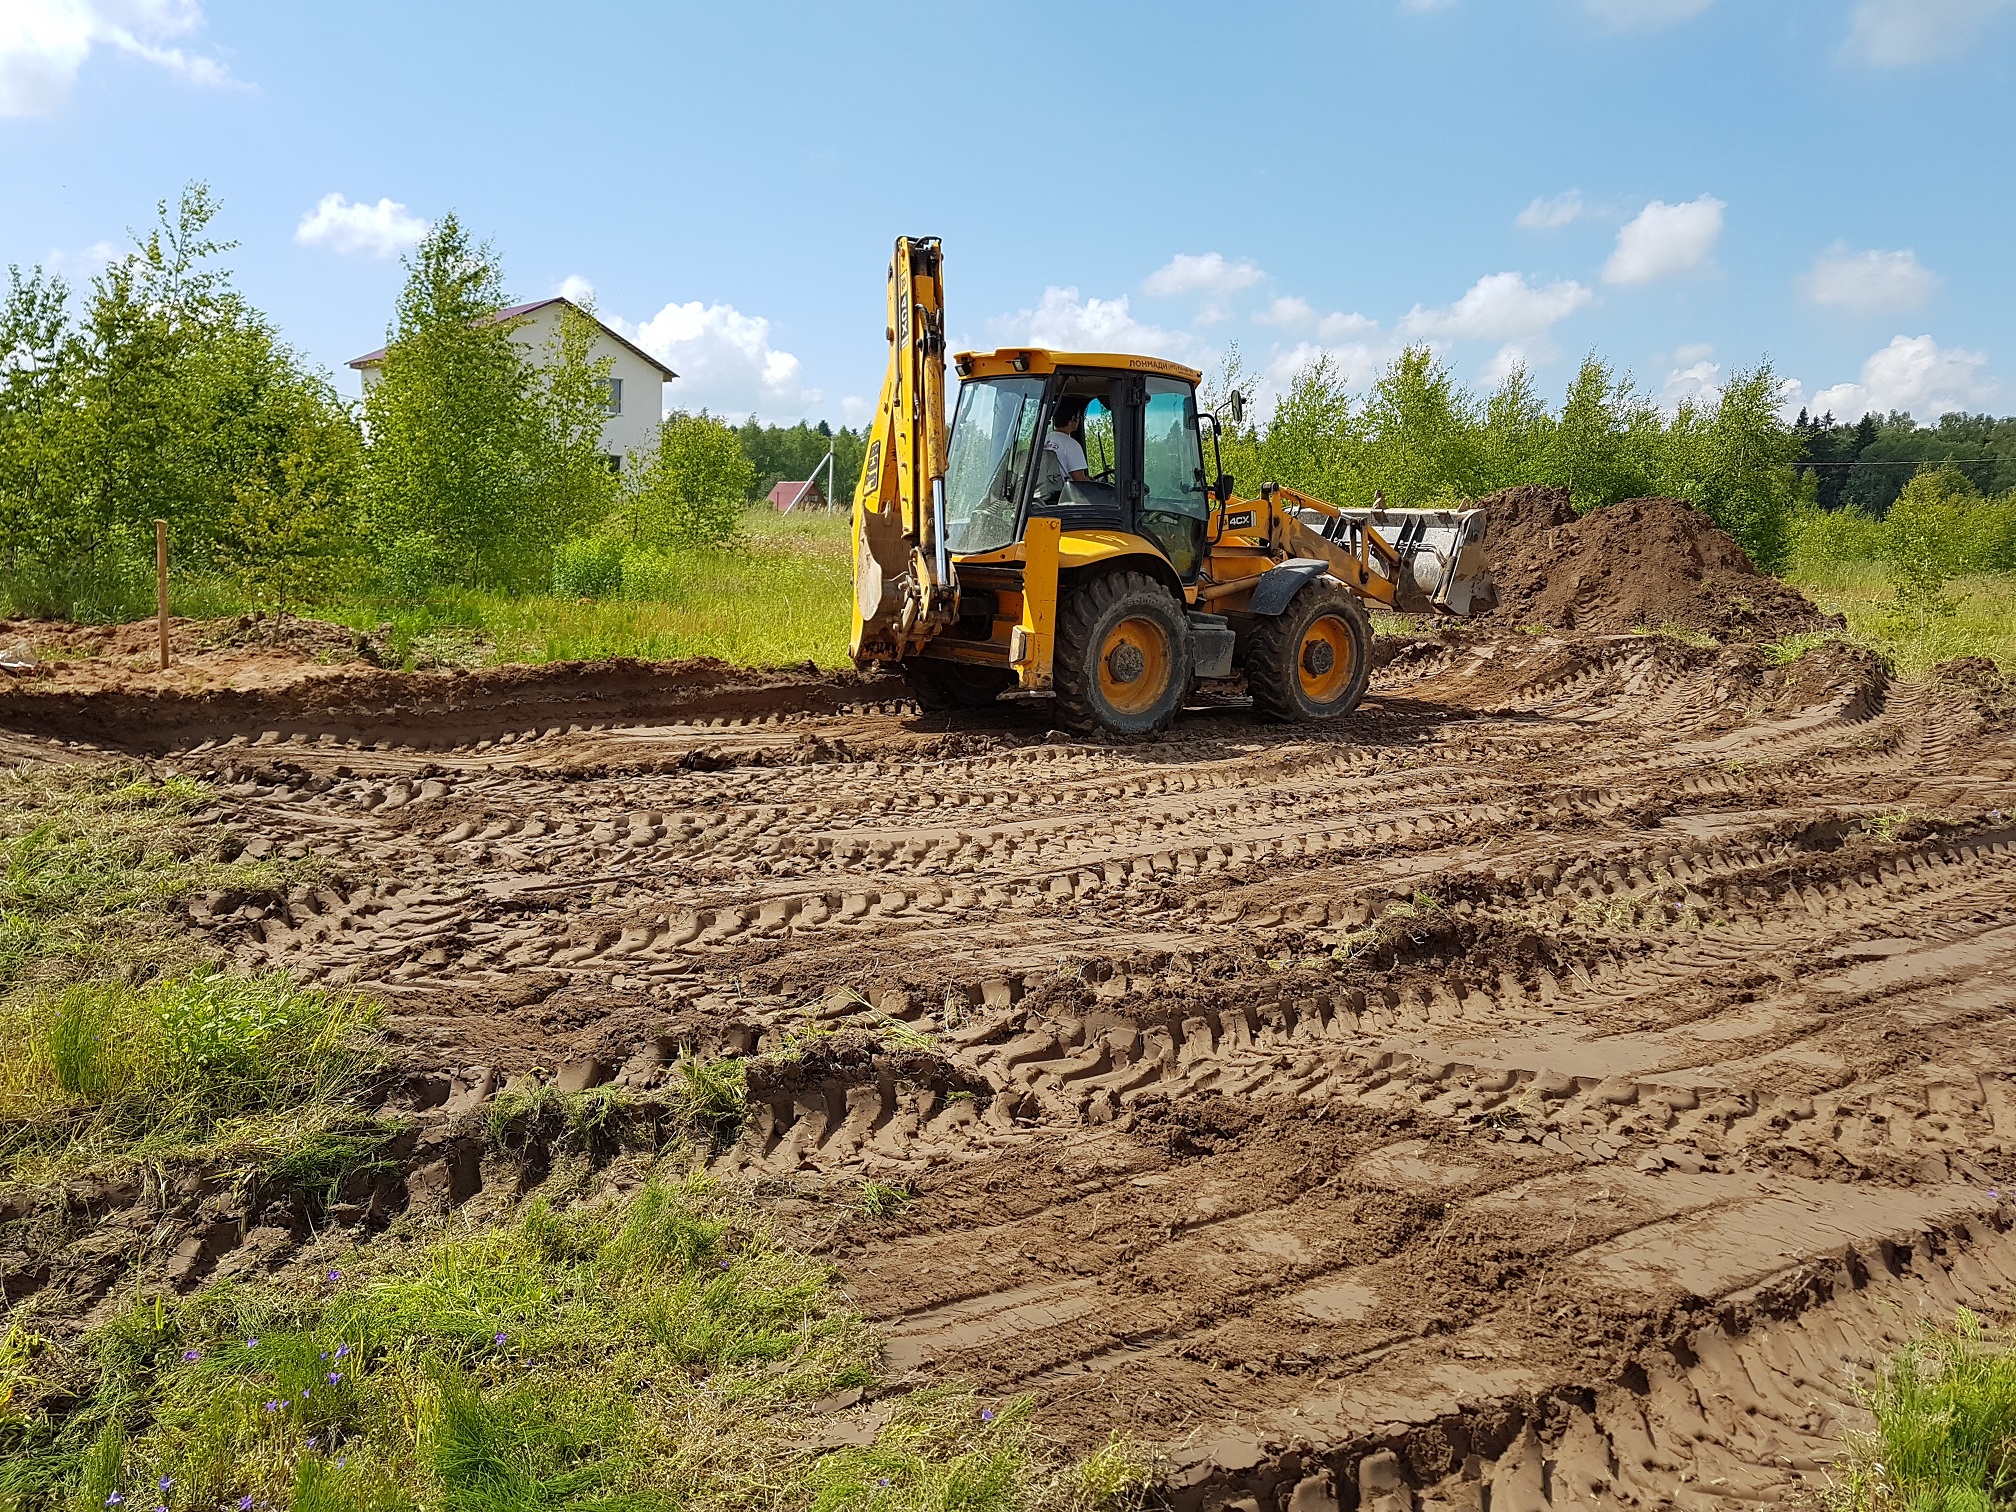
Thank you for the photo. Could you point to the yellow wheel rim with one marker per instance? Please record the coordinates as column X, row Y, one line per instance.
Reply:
column 1326, row 659
column 1134, row 665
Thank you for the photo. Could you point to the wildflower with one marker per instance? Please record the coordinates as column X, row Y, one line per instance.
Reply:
column 167, row 1481
column 335, row 1376
column 311, row 1441
column 498, row 1338
column 883, row 1482
column 245, row 1503
column 342, row 1460
column 304, row 1391
column 114, row 1499
column 335, row 1275
column 191, row 1356
column 323, row 1356
column 342, row 1350
column 273, row 1406
column 251, row 1343
column 724, row 1265
column 986, row 1414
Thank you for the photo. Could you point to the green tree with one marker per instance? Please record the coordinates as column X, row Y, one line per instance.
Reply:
column 1925, row 542
column 691, row 491
column 168, row 398
column 451, row 417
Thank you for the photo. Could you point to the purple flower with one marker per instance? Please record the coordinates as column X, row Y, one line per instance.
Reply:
column 251, row 1343
column 323, row 1356
column 342, row 1460
column 191, row 1356
column 160, row 1507
column 335, row 1275
column 724, row 1265
column 114, row 1499
column 342, row 1350
column 883, row 1482
column 311, row 1441
column 335, row 1376
column 167, row 1481
column 304, row 1391
column 986, row 1414
column 273, row 1406
column 245, row 1504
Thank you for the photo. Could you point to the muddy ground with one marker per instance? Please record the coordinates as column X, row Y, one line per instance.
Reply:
column 1550, row 1088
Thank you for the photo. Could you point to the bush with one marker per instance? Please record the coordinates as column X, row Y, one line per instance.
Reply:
column 588, row 567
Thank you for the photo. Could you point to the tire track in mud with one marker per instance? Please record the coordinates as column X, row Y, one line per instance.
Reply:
column 1465, row 1105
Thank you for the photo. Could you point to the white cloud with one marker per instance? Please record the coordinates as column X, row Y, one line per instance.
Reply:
column 379, row 230
column 576, row 288
column 1499, row 307
column 725, row 361
column 1293, row 313
column 1897, row 33
column 1916, row 374
column 1064, row 322
column 1644, row 15
column 1336, row 326
column 1664, row 239
column 1692, row 377
column 1290, row 312
column 856, row 411
column 1870, row 283
column 1549, row 214
column 44, row 43
column 1209, row 273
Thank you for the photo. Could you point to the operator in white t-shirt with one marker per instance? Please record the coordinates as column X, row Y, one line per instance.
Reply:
column 1066, row 444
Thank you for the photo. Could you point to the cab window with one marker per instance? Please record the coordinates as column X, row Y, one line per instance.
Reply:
column 1177, row 502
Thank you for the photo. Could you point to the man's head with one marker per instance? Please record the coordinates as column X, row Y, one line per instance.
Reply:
column 1069, row 415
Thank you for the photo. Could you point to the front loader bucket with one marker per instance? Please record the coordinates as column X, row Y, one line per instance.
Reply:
column 1440, row 552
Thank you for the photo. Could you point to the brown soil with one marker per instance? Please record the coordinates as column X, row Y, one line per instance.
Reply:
column 1643, row 564
column 1541, row 1090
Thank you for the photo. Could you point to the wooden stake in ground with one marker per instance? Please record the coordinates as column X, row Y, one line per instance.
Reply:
column 161, row 586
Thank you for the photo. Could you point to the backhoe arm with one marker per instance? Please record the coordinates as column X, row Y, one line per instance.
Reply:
column 905, row 587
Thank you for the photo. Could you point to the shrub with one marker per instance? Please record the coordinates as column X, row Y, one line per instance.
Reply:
column 588, row 567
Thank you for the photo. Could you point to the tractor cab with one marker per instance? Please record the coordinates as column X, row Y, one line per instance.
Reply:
column 1096, row 442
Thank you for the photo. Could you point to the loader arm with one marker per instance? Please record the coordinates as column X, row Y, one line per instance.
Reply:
column 1418, row 561
column 905, row 586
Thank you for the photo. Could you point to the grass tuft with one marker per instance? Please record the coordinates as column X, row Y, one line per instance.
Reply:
column 1945, row 1434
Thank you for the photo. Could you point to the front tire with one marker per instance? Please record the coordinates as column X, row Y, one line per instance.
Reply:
column 1123, row 656
column 1311, row 661
column 943, row 687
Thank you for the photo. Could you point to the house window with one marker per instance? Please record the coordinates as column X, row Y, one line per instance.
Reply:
column 615, row 404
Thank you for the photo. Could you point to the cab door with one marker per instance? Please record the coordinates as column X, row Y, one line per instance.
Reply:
column 1175, row 500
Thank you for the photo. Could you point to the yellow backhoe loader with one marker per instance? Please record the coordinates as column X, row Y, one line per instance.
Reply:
column 1065, row 539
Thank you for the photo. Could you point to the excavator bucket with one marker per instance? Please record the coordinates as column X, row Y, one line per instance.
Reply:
column 1434, row 557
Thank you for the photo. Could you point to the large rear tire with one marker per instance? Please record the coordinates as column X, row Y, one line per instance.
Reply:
column 941, row 687
column 1313, row 659
column 1123, row 655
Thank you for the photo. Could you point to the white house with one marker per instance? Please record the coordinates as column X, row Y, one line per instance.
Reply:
column 636, row 378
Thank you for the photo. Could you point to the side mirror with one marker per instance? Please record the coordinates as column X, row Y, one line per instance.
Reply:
column 1222, row 489
column 1236, row 402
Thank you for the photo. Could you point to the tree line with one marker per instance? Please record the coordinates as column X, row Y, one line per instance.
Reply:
column 159, row 392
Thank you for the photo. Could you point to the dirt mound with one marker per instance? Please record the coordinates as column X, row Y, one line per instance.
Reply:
column 369, row 704
column 1640, row 564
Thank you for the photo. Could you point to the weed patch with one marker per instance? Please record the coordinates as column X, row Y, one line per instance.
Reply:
column 1945, row 1434
column 655, row 1352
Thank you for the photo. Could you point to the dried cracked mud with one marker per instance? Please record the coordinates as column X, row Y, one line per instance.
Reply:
column 1551, row 1088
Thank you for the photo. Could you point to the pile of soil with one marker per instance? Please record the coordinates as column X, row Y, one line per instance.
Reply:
column 1643, row 564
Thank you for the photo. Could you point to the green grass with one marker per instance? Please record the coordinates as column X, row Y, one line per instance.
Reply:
column 1984, row 623
column 655, row 1352
column 1945, row 1435
column 119, row 1041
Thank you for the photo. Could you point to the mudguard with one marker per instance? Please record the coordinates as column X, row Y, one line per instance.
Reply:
column 1281, row 584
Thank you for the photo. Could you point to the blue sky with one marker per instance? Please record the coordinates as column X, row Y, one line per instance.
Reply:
column 1683, row 186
